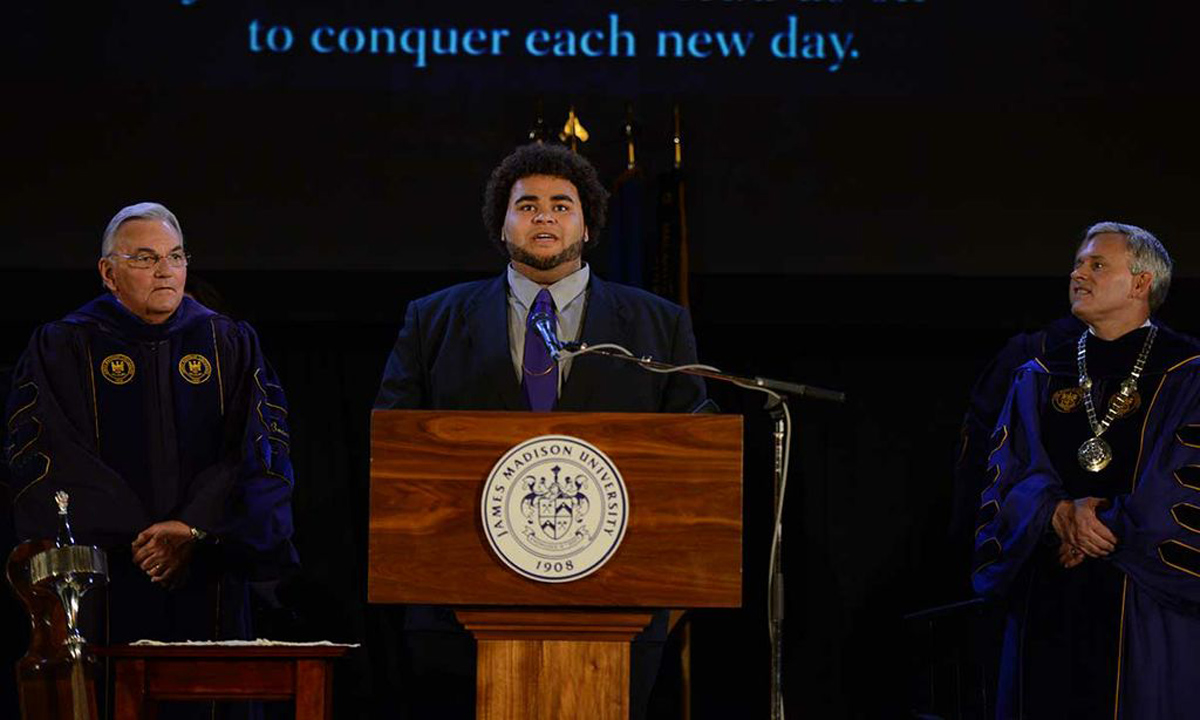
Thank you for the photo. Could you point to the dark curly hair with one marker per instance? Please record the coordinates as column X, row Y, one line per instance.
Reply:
column 542, row 159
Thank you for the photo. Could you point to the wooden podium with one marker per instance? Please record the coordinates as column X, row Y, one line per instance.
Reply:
column 555, row 650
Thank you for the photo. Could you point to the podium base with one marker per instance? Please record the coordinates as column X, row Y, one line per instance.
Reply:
column 538, row 664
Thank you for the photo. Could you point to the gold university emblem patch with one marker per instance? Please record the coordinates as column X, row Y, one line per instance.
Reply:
column 195, row 368
column 1067, row 400
column 117, row 369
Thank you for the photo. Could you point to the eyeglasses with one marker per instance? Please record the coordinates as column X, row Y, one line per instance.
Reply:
column 147, row 260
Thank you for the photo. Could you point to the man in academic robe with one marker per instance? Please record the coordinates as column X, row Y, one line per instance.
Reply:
column 473, row 347
column 1089, row 530
column 168, row 430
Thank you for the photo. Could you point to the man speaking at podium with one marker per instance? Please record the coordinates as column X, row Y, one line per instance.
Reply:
column 474, row 347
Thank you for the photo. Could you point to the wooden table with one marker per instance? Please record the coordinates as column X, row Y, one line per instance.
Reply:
column 147, row 674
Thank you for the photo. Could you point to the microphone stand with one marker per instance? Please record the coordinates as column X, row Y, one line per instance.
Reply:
column 778, row 392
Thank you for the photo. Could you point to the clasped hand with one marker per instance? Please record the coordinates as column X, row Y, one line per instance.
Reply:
column 163, row 550
column 1081, row 531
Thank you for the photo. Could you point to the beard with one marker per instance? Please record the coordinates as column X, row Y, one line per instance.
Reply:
column 539, row 262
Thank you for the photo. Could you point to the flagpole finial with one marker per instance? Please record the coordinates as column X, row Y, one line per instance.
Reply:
column 677, row 140
column 573, row 131
column 538, row 133
column 630, row 130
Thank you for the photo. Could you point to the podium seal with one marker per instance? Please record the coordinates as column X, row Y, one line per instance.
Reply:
column 554, row 508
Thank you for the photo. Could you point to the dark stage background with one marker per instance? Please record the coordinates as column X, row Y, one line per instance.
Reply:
column 880, row 228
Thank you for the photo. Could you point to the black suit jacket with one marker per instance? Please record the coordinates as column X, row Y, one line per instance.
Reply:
column 453, row 353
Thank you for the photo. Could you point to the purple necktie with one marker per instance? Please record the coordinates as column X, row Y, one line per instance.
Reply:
column 539, row 371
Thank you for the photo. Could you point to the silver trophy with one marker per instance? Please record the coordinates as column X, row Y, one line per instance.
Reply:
column 69, row 570
column 57, row 674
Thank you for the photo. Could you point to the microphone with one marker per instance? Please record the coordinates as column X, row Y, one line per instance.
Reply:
column 544, row 325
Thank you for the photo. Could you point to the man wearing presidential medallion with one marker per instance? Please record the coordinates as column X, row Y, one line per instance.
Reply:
column 168, row 430
column 474, row 347
column 1089, row 532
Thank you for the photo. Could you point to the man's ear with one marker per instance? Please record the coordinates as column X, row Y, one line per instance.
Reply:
column 1142, row 282
column 106, row 274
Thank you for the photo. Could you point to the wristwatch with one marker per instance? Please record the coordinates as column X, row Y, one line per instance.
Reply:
column 198, row 535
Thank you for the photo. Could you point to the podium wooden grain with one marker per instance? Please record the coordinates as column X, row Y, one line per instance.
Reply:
column 552, row 650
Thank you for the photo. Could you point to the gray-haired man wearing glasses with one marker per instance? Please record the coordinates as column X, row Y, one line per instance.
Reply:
column 167, row 427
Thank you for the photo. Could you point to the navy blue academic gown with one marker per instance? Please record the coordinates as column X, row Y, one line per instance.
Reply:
column 1113, row 637
column 986, row 401
column 143, row 423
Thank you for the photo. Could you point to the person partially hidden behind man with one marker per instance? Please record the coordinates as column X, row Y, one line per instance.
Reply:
column 467, row 347
column 1090, row 528
column 167, row 428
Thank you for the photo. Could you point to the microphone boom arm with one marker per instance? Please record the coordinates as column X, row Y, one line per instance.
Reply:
column 777, row 387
